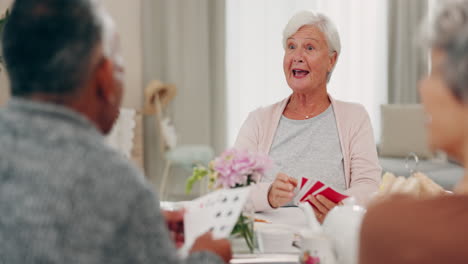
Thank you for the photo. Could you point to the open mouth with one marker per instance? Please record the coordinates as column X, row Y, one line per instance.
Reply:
column 298, row 73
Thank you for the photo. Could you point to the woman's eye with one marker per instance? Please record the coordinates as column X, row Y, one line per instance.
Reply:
column 310, row 48
column 291, row 46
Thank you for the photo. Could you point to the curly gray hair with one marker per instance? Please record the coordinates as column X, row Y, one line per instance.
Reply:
column 449, row 32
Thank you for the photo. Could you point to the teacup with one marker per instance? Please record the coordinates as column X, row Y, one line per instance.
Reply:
column 316, row 248
column 275, row 238
column 342, row 225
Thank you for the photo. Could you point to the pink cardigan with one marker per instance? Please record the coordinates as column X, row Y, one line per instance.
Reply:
column 361, row 165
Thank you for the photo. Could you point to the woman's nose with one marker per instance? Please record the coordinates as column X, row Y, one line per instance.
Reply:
column 298, row 57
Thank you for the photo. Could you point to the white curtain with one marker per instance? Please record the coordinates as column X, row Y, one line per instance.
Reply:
column 407, row 59
column 183, row 44
column 254, row 54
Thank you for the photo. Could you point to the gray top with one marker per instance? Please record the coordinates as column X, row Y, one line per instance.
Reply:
column 68, row 198
column 309, row 148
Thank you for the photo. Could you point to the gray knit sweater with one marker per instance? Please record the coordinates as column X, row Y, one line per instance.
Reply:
column 65, row 197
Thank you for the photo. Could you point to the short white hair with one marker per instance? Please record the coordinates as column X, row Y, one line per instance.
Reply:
column 108, row 29
column 449, row 32
column 109, row 37
column 320, row 21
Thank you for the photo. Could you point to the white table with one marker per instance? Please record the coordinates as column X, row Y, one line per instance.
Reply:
column 275, row 237
column 265, row 259
column 291, row 216
column 277, row 247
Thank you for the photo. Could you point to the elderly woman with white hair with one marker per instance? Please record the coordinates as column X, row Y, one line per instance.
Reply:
column 404, row 230
column 310, row 134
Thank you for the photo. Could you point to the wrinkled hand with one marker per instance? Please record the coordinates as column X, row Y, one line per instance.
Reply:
column 175, row 224
column 321, row 206
column 220, row 247
column 282, row 190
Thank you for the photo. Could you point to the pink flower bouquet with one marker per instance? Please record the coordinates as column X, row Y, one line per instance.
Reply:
column 233, row 169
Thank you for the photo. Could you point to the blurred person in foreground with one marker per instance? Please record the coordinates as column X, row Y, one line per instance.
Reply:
column 404, row 230
column 65, row 196
column 310, row 134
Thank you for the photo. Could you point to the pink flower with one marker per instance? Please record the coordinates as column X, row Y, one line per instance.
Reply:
column 240, row 168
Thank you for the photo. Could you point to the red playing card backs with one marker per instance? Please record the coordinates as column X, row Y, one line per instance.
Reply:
column 310, row 187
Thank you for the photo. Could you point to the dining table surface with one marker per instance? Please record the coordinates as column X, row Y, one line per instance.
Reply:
column 276, row 232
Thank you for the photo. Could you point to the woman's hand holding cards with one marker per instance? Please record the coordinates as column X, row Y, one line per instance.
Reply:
column 321, row 206
column 281, row 190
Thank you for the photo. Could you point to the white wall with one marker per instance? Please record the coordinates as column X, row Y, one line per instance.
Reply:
column 127, row 16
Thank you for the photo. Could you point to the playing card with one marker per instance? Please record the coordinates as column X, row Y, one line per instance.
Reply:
column 300, row 189
column 216, row 212
column 312, row 187
column 309, row 190
column 331, row 195
column 305, row 184
column 328, row 193
column 303, row 181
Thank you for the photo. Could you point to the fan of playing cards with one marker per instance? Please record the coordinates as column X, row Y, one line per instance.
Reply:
column 217, row 212
column 314, row 188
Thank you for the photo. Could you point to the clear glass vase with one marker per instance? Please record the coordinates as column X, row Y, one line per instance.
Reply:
column 244, row 231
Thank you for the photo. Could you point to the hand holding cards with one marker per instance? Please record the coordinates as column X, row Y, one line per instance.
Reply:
column 314, row 188
column 282, row 190
column 173, row 213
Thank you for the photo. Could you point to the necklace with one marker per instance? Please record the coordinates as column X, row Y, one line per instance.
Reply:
column 305, row 116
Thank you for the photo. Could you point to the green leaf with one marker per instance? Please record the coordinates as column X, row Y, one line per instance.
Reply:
column 243, row 228
column 198, row 174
